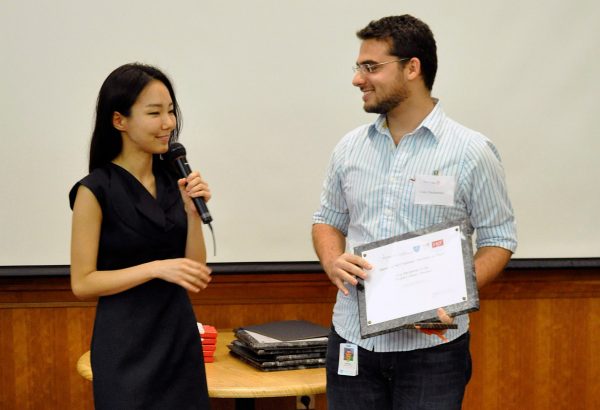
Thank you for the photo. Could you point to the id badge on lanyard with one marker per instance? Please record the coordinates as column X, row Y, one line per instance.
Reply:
column 348, row 362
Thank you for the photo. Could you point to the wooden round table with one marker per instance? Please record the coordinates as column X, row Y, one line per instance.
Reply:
column 228, row 377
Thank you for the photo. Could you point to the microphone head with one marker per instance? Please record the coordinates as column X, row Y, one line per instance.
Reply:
column 176, row 150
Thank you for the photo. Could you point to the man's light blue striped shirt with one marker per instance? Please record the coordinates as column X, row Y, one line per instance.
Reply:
column 369, row 193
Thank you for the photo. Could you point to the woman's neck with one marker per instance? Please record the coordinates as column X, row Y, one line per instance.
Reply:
column 140, row 166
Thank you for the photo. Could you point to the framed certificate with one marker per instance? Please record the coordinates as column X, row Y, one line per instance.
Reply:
column 415, row 274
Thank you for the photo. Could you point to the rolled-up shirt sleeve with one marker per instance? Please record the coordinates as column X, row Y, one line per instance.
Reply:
column 333, row 210
column 490, row 210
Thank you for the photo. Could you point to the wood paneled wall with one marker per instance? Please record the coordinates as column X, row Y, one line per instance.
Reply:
column 535, row 341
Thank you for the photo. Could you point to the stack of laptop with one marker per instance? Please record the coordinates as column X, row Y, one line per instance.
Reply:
column 282, row 345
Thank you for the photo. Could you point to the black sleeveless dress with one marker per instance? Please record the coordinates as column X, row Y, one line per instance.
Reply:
column 146, row 351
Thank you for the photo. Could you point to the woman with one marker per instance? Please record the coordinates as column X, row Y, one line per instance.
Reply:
column 137, row 246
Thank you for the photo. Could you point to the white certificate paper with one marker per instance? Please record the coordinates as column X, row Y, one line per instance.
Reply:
column 415, row 275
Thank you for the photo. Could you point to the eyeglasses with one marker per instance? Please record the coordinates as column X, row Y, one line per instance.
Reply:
column 371, row 68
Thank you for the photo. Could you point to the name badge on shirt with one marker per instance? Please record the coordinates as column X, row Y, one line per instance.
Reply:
column 434, row 190
column 348, row 363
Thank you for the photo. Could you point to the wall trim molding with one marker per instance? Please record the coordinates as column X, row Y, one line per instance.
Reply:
column 236, row 268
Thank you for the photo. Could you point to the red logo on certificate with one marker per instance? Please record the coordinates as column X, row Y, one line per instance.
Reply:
column 435, row 244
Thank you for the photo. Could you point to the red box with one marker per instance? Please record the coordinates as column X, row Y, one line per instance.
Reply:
column 210, row 332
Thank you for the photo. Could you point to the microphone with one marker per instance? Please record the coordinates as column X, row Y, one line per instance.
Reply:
column 176, row 155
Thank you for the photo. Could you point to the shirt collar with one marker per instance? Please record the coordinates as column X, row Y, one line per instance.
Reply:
column 432, row 123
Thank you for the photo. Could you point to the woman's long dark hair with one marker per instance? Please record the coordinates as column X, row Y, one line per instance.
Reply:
column 118, row 93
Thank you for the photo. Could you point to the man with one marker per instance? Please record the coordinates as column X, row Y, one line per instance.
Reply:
column 369, row 194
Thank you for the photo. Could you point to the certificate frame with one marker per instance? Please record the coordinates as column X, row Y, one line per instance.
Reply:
column 428, row 318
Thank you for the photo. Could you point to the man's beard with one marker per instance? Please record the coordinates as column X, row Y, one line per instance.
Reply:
column 383, row 107
column 388, row 102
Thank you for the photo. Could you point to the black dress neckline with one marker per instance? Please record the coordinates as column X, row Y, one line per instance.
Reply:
column 154, row 209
